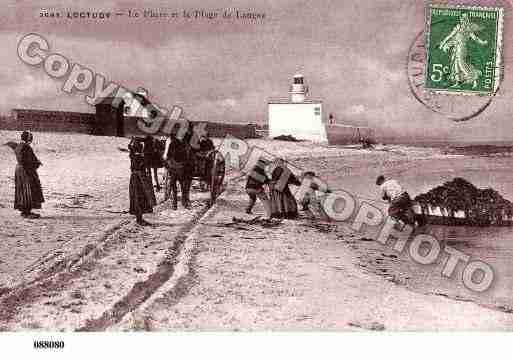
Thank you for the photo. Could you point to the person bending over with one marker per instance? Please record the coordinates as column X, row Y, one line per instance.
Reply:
column 257, row 178
column 399, row 199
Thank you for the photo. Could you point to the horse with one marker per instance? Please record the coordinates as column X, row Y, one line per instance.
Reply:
column 153, row 151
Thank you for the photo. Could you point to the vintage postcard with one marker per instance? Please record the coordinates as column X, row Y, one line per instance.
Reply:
column 234, row 166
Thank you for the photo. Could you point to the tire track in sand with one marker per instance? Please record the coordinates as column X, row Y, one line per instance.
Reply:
column 146, row 290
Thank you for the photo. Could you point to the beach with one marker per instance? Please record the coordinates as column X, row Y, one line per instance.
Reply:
column 85, row 265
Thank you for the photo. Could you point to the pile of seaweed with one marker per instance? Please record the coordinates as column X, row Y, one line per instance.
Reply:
column 289, row 138
column 481, row 206
column 481, row 150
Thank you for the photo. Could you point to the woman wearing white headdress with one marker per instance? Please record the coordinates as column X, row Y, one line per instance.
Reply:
column 461, row 71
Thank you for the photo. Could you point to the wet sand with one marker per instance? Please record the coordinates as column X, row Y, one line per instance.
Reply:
column 296, row 275
column 309, row 274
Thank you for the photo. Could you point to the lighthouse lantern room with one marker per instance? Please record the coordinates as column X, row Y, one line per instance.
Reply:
column 297, row 115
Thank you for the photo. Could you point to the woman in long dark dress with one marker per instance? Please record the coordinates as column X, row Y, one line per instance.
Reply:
column 28, row 193
column 142, row 196
column 283, row 202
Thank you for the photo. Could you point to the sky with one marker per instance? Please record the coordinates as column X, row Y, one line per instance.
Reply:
column 353, row 55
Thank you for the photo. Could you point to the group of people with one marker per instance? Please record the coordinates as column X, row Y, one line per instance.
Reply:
column 146, row 154
column 265, row 182
column 270, row 183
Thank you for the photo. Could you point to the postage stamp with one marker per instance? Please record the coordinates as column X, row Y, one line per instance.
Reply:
column 463, row 49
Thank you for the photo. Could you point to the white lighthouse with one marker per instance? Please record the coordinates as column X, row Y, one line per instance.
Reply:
column 298, row 89
column 297, row 115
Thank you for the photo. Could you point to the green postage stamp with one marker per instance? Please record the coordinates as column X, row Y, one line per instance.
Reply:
column 463, row 49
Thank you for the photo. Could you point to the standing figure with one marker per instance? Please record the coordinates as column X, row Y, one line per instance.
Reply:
column 142, row 196
column 283, row 203
column 461, row 70
column 28, row 193
column 257, row 178
column 177, row 159
column 205, row 146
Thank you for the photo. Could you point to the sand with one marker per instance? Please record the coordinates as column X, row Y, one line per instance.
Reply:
column 299, row 275
column 86, row 266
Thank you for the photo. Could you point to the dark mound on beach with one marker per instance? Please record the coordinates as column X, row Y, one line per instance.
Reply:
column 481, row 150
column 286, row 138
column 481, row 206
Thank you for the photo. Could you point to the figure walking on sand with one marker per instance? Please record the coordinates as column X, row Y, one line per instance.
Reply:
column 283, row 203
column 28, row 194
column 461, row 70
column 142, row 196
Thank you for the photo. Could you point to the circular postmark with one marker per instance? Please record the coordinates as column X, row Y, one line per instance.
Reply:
column 454, row 107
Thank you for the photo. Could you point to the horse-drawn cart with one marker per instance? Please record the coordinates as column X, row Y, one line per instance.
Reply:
column 210, row 168
column 207, row 167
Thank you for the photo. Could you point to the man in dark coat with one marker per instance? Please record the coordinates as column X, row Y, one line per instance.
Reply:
column 177, row 155
column 28, row 193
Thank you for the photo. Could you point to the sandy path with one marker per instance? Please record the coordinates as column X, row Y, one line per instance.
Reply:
column 79, row 296
column 85, row 255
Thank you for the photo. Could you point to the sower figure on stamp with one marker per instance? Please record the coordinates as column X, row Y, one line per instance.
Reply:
column 142, row 196
column 28, row 193
column 461, row 70
column 257, row 178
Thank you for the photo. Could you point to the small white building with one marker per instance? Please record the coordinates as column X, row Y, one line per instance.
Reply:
column 297, row 115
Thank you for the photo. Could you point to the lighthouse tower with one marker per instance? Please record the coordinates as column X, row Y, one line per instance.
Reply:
column 298, row 89
column 297, row 115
